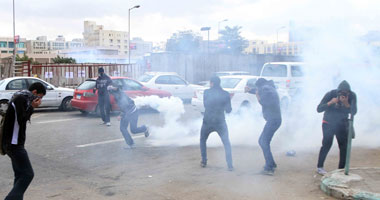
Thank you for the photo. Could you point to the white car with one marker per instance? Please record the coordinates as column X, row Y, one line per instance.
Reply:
column 286, row 75
column 236, row 85
column 171, row 82
column 230, row 73
column 55, row 96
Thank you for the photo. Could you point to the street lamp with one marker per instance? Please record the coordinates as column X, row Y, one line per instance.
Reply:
column 208, row 36
column 282, row 27
column 129, row 33
column 224, row 20
column 14, row 36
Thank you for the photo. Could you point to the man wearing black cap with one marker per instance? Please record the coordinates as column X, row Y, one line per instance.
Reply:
column 216, row 101
column 267, row 96
column 102, row 82
column 336, row 105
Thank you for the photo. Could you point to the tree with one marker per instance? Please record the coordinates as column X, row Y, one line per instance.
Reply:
column 26, row 58
column 183, row 41
column 59, row 59
column 233, row 42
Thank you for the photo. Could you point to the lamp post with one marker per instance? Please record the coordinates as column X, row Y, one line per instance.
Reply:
column 282, row 27
column 129, row 33
column 224, row 20
column 208, row 36
column 14, row 41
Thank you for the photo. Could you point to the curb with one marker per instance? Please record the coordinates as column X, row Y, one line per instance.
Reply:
column 337, row 184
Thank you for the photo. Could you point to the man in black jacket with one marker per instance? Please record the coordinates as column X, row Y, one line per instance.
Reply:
column 216, row 101
column 336, row 105
column 102, row 82
column 18, row 113
column 129, row 115
column 267, row 96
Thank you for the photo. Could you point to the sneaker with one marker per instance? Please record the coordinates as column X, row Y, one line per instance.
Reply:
column 108, row 123
column 321, row 171
column 203, row 164
column 132, row 146
column 146, row 133
column 230, row 169
column 268, row 172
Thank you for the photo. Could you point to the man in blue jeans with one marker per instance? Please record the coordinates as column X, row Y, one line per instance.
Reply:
column 129, row 115
column 104, row 105
column 216, row 101
column 270, row 102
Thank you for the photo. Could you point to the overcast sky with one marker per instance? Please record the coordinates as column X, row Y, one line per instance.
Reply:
column 156, row 20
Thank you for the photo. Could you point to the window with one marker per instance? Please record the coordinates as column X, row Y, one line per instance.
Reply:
column 10, row 44
column 297, row 71
column 3, row 44
column 229, row 82
column 163, row 79
column 251, row 83
column 31, row 81
column 274, row 70
column 19, row 84
column 4, row 51
column 175, row 80
column 144, row 78
column 111, row 40
column 131, row 85
column 87, row 85
column 118, row 41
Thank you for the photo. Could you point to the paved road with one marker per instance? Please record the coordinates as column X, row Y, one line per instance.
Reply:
column 76, row 158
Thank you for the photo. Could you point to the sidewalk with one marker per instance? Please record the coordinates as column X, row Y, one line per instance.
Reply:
column 361, row 183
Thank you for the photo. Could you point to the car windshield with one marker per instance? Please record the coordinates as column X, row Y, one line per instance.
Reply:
column 87, row 85
column 297, row 71
column 274, row 70
column 229, row 83
column 145, row 78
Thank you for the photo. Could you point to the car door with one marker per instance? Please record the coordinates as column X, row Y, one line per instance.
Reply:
column 51, row 97
column 14, row 86
column 163, row 82
column 181, row 87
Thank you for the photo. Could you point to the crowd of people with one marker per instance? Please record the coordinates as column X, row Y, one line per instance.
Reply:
column 336, row 105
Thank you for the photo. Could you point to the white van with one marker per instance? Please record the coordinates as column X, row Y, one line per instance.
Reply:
column 287, row 75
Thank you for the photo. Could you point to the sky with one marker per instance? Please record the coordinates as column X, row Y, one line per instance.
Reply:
column 157, row 20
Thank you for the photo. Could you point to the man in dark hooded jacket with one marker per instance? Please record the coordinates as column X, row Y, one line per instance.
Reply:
column 129, row 115
column 216, row 101
column 269, row 100
column 336, row 105
column 104, row 105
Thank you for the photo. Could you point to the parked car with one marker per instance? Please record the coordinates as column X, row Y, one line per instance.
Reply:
column 171, row 82
column 85, row 100
column 230, row 73
column 55, row 96
column 286, row 75
column 236, row 85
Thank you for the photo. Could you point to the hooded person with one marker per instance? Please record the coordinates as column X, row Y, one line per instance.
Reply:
column 269, row 100
column 216, row 102
column 128, row 115
column 104, row 104
column 337, row 105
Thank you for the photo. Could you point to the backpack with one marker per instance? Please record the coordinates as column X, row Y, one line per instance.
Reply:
column 2, row 150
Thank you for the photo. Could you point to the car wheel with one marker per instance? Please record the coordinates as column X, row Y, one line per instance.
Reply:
column 66, row 104
column 83, row 112
column 3, row 106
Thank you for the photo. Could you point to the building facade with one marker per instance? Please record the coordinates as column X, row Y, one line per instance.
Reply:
column 7, row 46
column 43, row 46
column 280, row 48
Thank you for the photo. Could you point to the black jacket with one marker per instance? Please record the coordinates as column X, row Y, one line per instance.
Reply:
column 337, row 113
column 22, row 102
column 270, row 102
column 102, row 82
column 125, row 104
column 216, row 101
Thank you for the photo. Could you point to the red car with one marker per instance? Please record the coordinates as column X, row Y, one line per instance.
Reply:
column 86, row 101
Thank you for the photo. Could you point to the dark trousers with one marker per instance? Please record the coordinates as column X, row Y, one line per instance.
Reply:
column 266, row 136
column 222, row 130
column 131, row 119
column 104, row 107
column 341, row 133
column 23, row 172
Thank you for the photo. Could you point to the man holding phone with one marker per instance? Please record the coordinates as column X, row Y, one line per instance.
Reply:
column 19, row 111
column 336, row 105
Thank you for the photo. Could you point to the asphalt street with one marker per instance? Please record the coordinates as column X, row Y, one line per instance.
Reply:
column 74, row 157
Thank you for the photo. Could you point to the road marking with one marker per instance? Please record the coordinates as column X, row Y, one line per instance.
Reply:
column 107, row 142
column 58, row 120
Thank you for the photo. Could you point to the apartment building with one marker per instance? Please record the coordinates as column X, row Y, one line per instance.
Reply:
column 7, row 45
column 44, row 46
